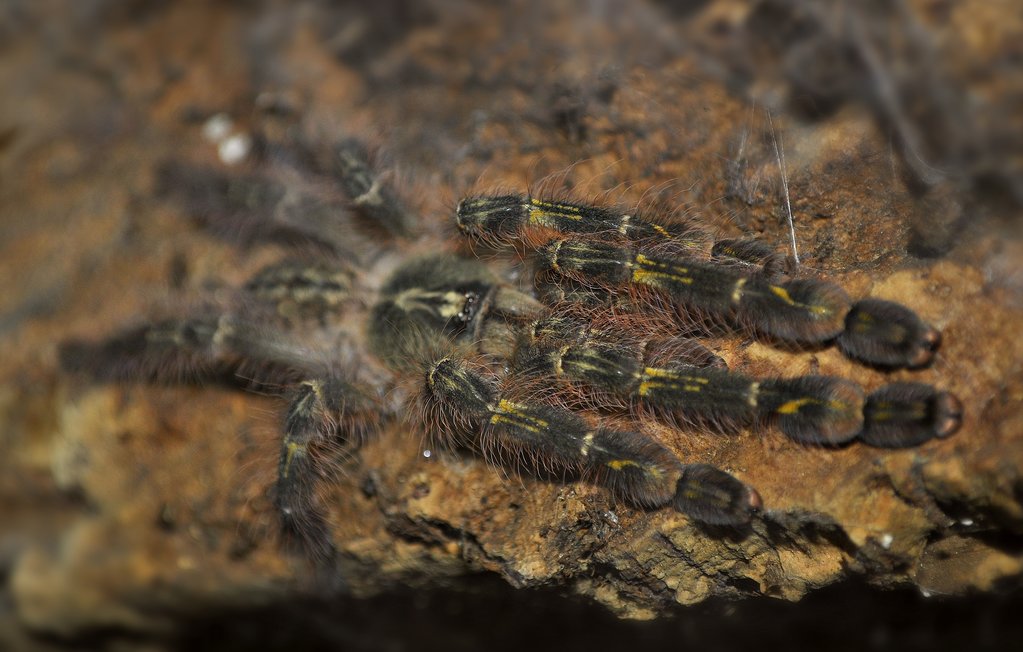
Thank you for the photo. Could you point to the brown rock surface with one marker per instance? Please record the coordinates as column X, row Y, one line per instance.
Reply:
column 132, row 507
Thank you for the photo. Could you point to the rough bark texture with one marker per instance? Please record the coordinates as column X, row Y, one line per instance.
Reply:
column 134, row 507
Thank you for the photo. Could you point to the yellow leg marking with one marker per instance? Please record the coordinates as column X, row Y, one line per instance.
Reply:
column 554, row 258
column 587, row 443
column 515, row 415
column 303, row 405
column 737, row 290
column 888, row 411
column 591, row 362
column 793, row 407
column 293, row 448
column 317, row 388
column 864, row 322
column 784, row 295
column 558, row 369
column 618, row 465
column 693, row 494
column 654, row 378
column 542, row 212
column 647, row 271
column 555, row 206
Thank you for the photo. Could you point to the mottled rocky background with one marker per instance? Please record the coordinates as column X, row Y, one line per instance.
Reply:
column 138, row 517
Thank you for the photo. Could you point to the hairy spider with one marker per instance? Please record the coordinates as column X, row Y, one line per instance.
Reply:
column 558, row 376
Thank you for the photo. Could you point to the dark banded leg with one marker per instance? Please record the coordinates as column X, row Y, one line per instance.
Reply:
column 553, row 290
column 809, row 409
column 219, row 346
column 503, row 219
column 324, row 417
column 888, row 334
column 253, row 208
column 903, row 415
column 756, row 255
column 813, row 409
column 709, row 495
column 192, row 349
column 632, row 338
column 801, row 311
column 370, row 194
column 633, row 466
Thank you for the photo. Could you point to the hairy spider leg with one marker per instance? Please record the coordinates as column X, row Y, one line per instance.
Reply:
column 631, row 465
column 256, row 208
column 908, row 414
column 368, row 190
column 504, row 218
column 565, row 324
column 224, row 346
column 461, row 300
column 875, row 332
column 810, row 409
column 887, row 334
column 798, row 311
column 324, row 415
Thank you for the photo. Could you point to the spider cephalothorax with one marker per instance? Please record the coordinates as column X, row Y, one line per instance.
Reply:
column 559, row 375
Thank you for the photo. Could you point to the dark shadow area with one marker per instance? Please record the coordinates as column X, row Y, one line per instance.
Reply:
column 496, row 617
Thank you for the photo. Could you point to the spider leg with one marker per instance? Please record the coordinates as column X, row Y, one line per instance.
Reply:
column 810, row 409
column 631, row 465
column 908, row 414
column 201, row 347
column 676, row 379
column 756, row 255
column 800, row 311
column 303, row 291
column 888, row 334
column 618, row 250
column 256, row 208
column 329, row 415
column 503, row 219
column 242, row 344
column 368, row 190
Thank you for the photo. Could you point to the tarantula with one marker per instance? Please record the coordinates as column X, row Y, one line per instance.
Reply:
column 544, row 376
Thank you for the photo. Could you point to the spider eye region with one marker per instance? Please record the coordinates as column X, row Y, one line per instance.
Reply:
column 448, row 310
column 437, row 299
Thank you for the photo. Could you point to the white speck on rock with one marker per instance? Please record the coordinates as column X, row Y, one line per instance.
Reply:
column 234, row 148
column 217, row 128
